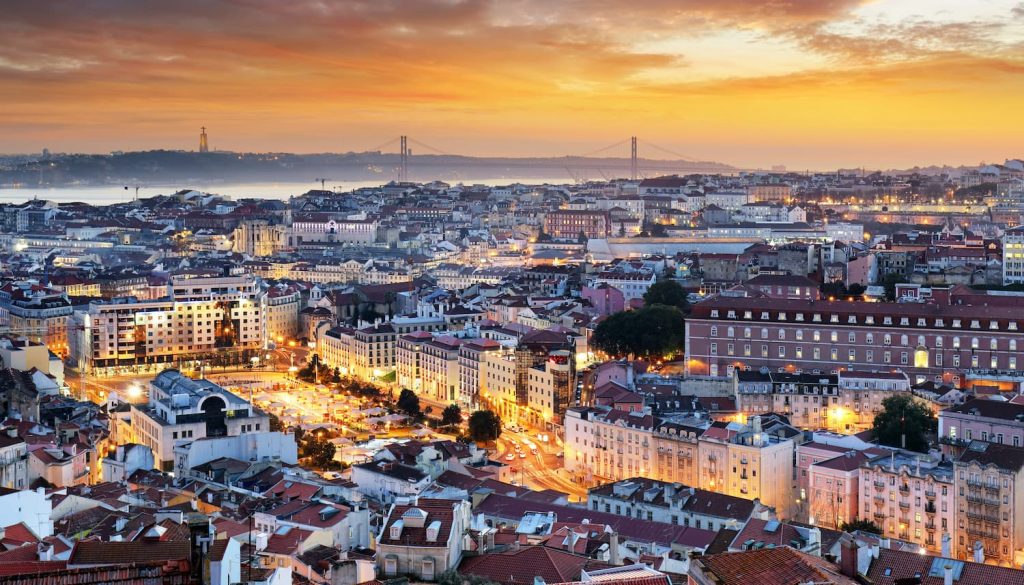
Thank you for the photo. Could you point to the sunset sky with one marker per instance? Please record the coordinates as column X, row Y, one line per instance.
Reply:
column 806, row 83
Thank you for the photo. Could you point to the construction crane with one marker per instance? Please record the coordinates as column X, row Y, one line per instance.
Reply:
column 323, row 182
column 136, row 187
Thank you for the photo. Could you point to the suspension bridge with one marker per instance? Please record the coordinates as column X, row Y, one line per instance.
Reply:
column 613, row 161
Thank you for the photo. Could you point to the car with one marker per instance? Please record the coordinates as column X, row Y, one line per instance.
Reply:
column 510, row 457
column 522, row 455
column 560, row 454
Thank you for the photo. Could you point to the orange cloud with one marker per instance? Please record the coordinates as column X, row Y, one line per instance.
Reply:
column 505, row 77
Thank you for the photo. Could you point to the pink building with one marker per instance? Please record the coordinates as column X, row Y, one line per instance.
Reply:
column 605, row 298
column 982, row 420
column 807, row 455
column 910, row 497
column 951, row 344
column 834, row 489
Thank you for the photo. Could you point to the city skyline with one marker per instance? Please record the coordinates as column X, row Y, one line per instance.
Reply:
column 809, row 85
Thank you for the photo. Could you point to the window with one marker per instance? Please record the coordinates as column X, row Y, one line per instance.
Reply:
column 834, row 336
column 887, row 340
column 714, row 331
column 782, row 351
column 714, row 349
column 817, row 336
column 852, row 337
column 799, row 352
column 903, row 358
column 817, row 353
column 853, row 355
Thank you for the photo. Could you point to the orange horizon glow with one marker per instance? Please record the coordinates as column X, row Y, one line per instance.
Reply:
column 810, row 84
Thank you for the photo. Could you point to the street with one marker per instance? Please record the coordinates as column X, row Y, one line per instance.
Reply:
column 540, row 471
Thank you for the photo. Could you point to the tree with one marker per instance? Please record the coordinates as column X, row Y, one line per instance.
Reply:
column 863, row 525
column 451, row 416
column 320, row 452
column 275, row 423
column 409, row 403
column 833, row 289
column 484, row 425
column 889, row 281
column 452, row 577
column 653, row 332
column 902, row 416
column 667, row 292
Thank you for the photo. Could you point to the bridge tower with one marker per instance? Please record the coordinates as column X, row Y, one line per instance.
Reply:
column 632, row 159
column 403, row 169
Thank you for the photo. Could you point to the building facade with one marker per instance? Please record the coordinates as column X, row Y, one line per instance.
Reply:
column 943, row 343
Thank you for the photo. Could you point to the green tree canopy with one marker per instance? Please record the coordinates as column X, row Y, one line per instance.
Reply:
column 653, row 332
column 320, row 452
column 902, row 415
column 452, row 415
column 409, row 403
column 667, row 292
column 484, row 425
column 863, row 525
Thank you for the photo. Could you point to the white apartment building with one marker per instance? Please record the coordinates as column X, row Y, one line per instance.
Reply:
column 200, row 315
column 13, row 461
column 282, row 313
column 181, row 409
column 498, row 383
column 632, row 284
column 472, row 354
column 319, row 228
column 367, row 353
column 745, row 461
column 729, row 200
column 428, row 365
column 1013, row 256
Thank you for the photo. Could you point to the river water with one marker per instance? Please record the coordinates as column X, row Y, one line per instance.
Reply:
column 118, row 194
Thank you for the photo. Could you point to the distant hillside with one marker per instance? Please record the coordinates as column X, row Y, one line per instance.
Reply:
column 166, row 167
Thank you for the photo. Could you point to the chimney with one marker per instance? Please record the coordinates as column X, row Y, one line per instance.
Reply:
column 814, row 542
column 629, row 376
column 45, row 551
column 979, row 552
column 947, row 576
column 848, row 557
column 946, row 548
column 614, row 556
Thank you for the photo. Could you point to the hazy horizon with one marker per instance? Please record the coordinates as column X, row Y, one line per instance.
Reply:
column 809, row 84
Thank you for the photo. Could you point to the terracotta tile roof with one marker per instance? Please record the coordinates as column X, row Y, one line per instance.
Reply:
column 286, row 542
column 111, row 553
column 436, row 510
column 781, row 565
column 905, row 564
column 518, row 567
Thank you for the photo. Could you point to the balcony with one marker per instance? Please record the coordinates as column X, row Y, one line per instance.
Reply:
column 880, row 514
column 976, row 499
column 929, row 525
column 990, row 518
column 929, row 508
column 879, row 485
column 929, row 493
column 880, row 500
column 981, row 532
column 954, row 441
column 905, row 505
column 904, row 489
